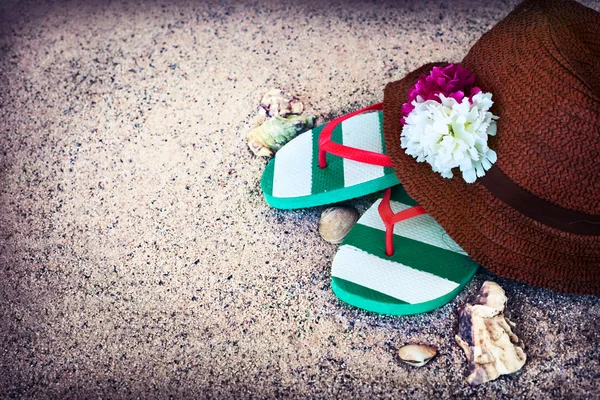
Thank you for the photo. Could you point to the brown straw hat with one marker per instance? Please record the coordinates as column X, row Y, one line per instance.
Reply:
column 535, row 215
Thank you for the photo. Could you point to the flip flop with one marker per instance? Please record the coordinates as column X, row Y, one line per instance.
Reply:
column 397, row 260
column 301, row 175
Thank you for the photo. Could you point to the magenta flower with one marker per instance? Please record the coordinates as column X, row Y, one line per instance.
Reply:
column 451, row 81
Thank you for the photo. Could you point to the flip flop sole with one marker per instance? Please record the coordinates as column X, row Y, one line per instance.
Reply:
column 427, row 270
column 293, row 178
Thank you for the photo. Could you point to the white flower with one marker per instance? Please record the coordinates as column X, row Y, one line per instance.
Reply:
column 451, row 134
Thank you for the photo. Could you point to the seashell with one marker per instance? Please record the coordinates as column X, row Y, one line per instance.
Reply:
column 491, row 295
column 486, row 336
column 417, row 354
column 336, row 222
column 277, row 131
column 279, row 103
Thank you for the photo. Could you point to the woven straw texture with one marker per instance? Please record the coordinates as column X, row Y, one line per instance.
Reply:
column 542, row 65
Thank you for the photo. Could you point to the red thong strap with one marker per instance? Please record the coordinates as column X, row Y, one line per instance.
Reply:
column 390, row 219
column 351, row 153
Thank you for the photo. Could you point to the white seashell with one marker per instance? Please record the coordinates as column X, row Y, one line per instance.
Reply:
column 279, row 103
column 416, row 354
column 486, row 337
column 336, row 222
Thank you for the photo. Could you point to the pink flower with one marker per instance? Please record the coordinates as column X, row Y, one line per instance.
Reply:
column 452, row 81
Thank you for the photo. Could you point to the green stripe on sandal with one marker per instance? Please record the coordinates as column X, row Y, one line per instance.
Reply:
column 426, row 271
column 293, row 178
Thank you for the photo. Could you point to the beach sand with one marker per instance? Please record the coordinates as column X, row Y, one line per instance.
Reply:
column 138, row 258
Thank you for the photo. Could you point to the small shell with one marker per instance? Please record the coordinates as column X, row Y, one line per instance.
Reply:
column 336, row 222
column 279, row 103
column 417, row 354
column 277, row 131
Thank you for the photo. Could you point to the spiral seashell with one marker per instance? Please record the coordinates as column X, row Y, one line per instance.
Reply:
column 277, row 131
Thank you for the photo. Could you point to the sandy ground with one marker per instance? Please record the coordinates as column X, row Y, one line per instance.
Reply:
column 138, row 257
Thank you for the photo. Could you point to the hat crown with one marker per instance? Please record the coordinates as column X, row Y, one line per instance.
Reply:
column 542, row 64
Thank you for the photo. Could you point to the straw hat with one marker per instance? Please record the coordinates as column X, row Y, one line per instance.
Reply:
column 535, row 215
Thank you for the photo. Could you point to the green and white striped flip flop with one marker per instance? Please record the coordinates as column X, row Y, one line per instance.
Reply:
column 426, row 270
column 301, row 175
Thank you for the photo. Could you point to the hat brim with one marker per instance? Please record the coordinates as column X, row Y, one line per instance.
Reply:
column 493, row 234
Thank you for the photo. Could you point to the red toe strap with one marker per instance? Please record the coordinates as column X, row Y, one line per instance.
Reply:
column 390, row 219
column 351, row 153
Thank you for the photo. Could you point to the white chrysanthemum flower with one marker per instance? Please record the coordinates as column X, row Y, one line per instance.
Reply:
column 451, row 134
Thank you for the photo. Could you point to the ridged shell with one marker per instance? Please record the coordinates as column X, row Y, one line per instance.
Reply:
column 277, row 131
column 279, row 103
column 336, row 222
column 416, row 354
